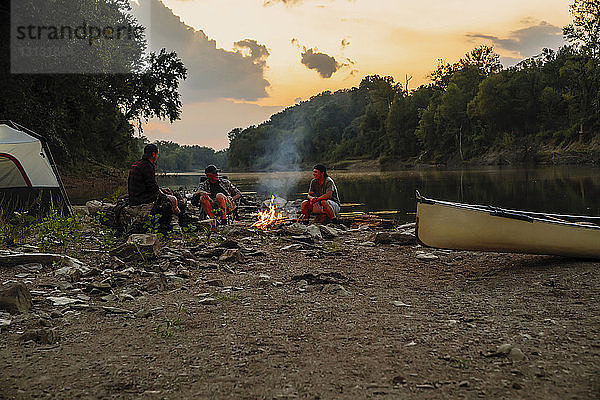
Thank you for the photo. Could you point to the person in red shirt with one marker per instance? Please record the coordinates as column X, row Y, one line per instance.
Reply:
column 323, row 197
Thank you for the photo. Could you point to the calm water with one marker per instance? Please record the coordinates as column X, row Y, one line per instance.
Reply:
column 574, row 190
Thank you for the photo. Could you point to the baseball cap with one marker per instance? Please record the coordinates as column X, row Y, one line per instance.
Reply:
column 211, row 169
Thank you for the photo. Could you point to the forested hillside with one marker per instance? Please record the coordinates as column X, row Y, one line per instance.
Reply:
column 473, row 107
column 176, row 158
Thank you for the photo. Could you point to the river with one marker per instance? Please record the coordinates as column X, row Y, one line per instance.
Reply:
column 564, row 189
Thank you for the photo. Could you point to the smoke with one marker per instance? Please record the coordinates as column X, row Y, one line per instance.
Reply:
column 285, row 158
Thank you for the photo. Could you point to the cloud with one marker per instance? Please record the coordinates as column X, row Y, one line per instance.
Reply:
column 258, row 53
column 207, row 123
column 324, row 64
column 212, row 72
column 527, row 42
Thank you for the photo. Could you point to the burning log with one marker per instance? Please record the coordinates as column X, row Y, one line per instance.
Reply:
column 270, row 217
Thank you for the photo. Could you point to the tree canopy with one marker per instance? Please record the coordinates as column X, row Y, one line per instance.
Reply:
column 90, row 117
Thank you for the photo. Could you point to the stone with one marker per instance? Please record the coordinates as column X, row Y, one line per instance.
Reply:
column 71, row 274
column 208, row 301
column 398, row 237
column 95, row 206
column 55, row 314
column 504, row 349
column 463, row 384
column 4, row 323
column 62, row 301
column 398, row 303
column 215, row 282
column 399, row 380
column 302, row 283
column 403, row 237
column 426, row 256
column 41, row 336
column 109, row 297
column 407, row 226
column 278, row 201
column 314, row 232
column 336, row 289
column 368, row 244
column 382, row 238
column 295, row 246
column 139, row 246
column 425, row 386
column 303, row 239
column 64, row 285
column 516, row 354
column 295, row 229
column 32, row 267
column 115, row 310
column 16, row 298
column 232, row 255
column 143, row 313
column 329, row 232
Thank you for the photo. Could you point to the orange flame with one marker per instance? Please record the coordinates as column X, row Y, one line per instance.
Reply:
column 269, row 217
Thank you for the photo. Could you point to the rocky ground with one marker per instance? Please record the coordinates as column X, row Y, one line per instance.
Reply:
column 319, row 313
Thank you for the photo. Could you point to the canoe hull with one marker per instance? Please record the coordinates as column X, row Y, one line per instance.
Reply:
column 455, row 226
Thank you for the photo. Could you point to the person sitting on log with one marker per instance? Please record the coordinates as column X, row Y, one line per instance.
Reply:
column 216, row 193
column 142, row 186
column 323, row 197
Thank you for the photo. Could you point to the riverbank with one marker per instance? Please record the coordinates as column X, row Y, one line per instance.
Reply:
column 279, row 317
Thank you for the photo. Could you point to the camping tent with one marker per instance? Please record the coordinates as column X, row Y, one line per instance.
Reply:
column 28, row 176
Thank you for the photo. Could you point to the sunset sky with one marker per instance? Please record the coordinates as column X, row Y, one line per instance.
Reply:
column 248, row 59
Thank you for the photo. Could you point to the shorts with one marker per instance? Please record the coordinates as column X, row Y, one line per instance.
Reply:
column 334, row 206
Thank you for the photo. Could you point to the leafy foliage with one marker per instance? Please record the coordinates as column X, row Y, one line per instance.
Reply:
column 89, row 118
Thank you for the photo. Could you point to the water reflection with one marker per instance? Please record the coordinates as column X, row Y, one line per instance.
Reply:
column 574, row 190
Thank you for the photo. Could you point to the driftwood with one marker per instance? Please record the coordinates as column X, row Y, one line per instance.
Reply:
column 367, row 219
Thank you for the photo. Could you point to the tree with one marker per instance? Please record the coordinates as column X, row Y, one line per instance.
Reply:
column 482, row 58
column 584, row 30
column 90, row 116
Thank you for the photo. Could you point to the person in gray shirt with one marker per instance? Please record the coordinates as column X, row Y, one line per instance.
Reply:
column 323, row 197
column 217, row 193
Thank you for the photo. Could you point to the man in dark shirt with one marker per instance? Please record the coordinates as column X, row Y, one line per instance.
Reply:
column 141, row 184
column 216, row 192
column 323, row 197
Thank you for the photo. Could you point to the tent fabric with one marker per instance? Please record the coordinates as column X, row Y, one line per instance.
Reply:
column 30, row 155
column 12, row 173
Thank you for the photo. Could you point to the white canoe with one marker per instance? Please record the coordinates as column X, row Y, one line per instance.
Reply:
column 449, row 225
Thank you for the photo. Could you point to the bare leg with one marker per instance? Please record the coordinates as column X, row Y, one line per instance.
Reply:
column 207, row 206
column 222, row 200
column 174, row 205
column 304, row 209
column 327, row 209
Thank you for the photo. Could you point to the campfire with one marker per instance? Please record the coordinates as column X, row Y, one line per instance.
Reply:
column 270, row 217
